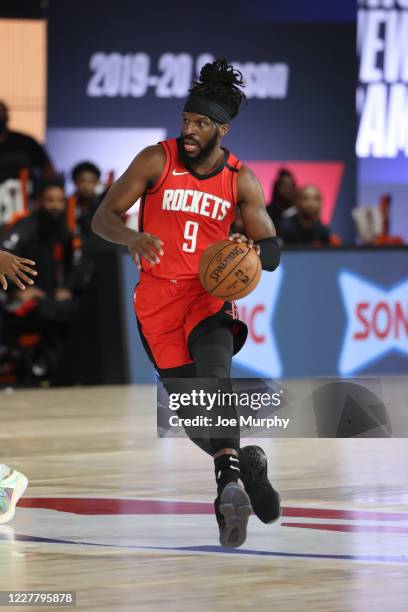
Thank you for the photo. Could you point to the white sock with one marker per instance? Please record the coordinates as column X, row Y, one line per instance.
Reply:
column 4, row 470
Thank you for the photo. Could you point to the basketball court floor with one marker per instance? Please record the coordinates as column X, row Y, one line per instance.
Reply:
column 126, row 519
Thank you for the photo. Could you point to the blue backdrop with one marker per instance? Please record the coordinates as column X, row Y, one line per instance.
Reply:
column 118, row 74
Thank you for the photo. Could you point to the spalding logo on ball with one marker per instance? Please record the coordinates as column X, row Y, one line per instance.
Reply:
column 230, row 270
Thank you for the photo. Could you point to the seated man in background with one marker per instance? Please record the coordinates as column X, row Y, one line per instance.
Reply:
column 46, row 308
column 20, row 151
column 305, row 227
column 283, row 197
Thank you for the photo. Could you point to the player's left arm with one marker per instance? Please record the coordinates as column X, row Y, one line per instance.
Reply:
column 259, row 229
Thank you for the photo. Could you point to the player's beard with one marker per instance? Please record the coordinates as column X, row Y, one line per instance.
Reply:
column 203, row 153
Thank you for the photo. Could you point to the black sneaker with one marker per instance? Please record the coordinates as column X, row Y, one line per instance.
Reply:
column 232, row 509
column 265, row 500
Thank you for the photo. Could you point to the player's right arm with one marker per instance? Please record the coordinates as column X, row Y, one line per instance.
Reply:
column 143, row 172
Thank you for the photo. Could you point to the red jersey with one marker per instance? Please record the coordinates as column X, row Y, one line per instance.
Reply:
column 188, row 211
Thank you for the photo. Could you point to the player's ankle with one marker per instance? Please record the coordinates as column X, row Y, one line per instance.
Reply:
column 226, row 467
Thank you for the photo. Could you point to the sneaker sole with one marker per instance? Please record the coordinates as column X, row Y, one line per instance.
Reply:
column 235, row 506
column 18, row 491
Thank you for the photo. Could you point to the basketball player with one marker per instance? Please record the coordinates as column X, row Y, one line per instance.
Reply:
column 12, row 483
column 189, row 188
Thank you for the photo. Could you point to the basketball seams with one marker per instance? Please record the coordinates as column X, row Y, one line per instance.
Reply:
column 248, row 285
column 204, row 276
column 240, row 261
column 214, row 256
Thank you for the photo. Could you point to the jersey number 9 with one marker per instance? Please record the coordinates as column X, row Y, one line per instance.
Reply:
column 190, row 235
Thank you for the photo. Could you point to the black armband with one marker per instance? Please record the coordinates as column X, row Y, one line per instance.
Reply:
column 270, row 253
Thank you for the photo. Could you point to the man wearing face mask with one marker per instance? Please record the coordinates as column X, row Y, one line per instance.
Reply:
column 19, row 151
column 47, row 307
column 44, row 237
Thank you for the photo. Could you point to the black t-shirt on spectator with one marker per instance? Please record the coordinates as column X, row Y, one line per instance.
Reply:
column 51, row 250
column 292, row 232
column 20, row 151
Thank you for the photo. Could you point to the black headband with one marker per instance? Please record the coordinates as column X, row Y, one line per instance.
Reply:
column 203, row 106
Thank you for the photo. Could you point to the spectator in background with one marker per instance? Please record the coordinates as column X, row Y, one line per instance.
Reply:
column 283, row 197
column 81, row 208
column 43, row 236
column 86, row 178
column 305, row 227
column 46, row 308
column 18, row 151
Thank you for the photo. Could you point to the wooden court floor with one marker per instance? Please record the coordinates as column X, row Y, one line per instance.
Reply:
column 125, row 519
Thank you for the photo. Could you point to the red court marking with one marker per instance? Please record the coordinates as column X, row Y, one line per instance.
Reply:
column 352, row 515
column 83, row 505
column 95, row 505
column 326, row 176
column 350, row 528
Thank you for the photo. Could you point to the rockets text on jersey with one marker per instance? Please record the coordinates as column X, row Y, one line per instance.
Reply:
column 188, row 212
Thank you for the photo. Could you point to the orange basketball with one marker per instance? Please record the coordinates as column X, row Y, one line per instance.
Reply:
column 229, row 270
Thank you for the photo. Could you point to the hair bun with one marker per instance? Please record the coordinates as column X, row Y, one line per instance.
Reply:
column 220, row 72
column 222, row 82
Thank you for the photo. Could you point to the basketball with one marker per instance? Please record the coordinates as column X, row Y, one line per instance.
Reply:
column 229, row 270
